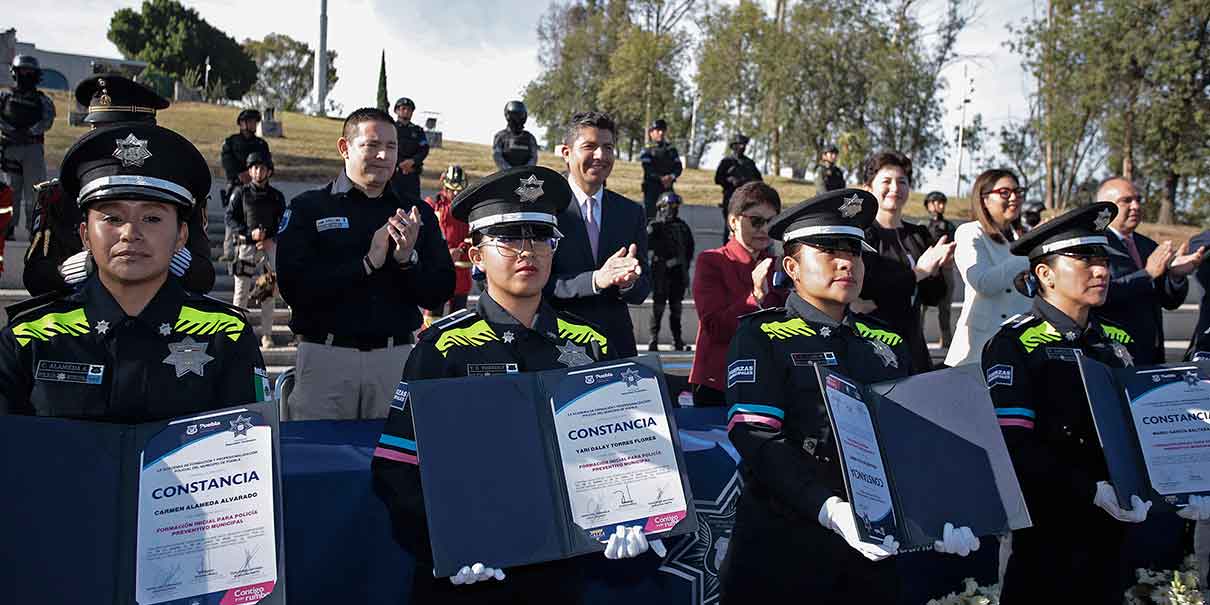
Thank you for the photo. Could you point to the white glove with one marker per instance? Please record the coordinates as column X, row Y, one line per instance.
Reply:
column 630, row 542
column 76, row 268
column 1108, row 501
column 469, row 574
column 837, row 516
column 958, row 541
column 1198, row 509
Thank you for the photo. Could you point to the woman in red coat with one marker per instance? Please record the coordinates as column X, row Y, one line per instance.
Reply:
column 457, row 235
column 724, row 286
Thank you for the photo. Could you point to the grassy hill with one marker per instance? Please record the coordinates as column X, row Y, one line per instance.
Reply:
column 308, row 153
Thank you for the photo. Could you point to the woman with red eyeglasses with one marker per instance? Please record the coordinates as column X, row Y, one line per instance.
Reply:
column 731, row 281
column 986, row 265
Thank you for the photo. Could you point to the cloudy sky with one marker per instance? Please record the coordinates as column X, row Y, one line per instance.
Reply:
column 465, row 58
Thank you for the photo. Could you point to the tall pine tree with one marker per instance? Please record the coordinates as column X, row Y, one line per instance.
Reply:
column 383, row 103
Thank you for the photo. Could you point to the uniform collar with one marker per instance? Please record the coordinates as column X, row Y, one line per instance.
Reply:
column 1064, row 324
column 740, row 253
column 164, row 308
column 342, row 185
column 545, row 321
column 807, row 311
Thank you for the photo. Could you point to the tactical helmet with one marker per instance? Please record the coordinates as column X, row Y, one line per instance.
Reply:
column 659, row 124
column 248, row 114
column 516, row 113
column 935, row 196
column 669, row 197
column 26, row 62
column 454, row 178
column 405, row 102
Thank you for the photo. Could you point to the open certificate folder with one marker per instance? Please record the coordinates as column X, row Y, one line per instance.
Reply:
column 904, row 475
column 1154, row 427
column 527, row 468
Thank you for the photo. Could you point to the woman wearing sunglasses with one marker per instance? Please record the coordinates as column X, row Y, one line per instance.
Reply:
column 795, row 537
column 904, row 275
column 731, row 281
column 1072, row 552
column 987, row 266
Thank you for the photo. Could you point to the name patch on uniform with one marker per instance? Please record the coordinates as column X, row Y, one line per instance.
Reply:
column 1201, row 356
column 332, row 222
column 490, row 369
column 741, row 370
column 1063, row 354
column 824, row 358
column 1000, row 374
column 69, row 371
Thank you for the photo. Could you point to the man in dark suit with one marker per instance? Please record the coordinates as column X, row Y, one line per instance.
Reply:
column 1145, row 276
column 599, row 266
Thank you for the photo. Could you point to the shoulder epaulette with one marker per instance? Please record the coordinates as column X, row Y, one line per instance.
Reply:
column 580, row 330
column 1017, row 320
column 765, row 310
column 453, row 318
column 875, row 329
column 17, row 309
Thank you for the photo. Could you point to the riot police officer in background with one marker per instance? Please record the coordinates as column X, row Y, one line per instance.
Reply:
column 733, row 171
column 236, row 150
column 830, row 177
column 661, row 166
column 413, row 148
column 514, row 146
column 26, row 113
column 670, row 243
column 56, row 258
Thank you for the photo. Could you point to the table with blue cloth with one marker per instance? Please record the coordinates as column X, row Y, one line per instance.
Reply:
column 338, row 545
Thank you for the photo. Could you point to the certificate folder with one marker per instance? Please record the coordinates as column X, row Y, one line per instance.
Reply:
column 1153, row 428
column 904, row 475
column 69, row 520
column 495, row 487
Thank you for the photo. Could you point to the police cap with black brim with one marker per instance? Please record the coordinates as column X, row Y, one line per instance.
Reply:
column 1082, row 229
column 135, row 162
column 842, row 214
column 518, row 202
column 113, row 97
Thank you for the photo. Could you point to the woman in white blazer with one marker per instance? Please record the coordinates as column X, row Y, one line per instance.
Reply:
column 986, row 266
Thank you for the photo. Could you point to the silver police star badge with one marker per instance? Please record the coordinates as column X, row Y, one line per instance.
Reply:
column 1071, row 335
column 825, row 331
column 571, row 355
column 1103, row 219
column 530, row 189
column 165, row 329
column 884, row 353
column 1123, row 353
column 188, row 356
column 508, row 336
column 102, row 327
column 131, row 150
column 240, row 425
column 851, row 206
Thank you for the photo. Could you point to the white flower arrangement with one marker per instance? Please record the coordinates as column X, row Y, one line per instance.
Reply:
column 1177, row 587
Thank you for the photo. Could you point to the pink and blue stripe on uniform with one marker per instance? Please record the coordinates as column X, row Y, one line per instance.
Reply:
column 395, row 448
column 1021, row 417
column 752, row 413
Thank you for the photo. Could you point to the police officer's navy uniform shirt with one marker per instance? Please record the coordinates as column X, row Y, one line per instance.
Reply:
column 81, row 356
column 486, row 341
column 777, row 419
column 234, row 154
column 1031, row 372
column 325, row 234
column 413, row 144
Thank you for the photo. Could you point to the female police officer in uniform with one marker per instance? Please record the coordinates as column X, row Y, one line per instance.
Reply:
column 1071, row 553
column 511, row 215
column 795, row 539
column 129, row 344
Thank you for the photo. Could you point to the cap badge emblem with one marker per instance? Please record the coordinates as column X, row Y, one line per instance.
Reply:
column 530, row 189
column 1103, row 219
column 131, row 150
column 851, row 206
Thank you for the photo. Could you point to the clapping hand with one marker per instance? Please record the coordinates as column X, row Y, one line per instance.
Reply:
column 1185, row 263
column 621, row 270
column 937, row 255
column 404, row 229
